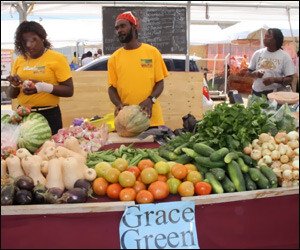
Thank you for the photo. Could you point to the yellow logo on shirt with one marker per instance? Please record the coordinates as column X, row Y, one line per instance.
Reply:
column 35, row 69
column 146, row 63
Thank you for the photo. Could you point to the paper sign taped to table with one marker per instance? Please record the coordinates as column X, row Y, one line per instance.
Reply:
column 166, row 225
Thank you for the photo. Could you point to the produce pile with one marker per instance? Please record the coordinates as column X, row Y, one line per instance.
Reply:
column 233, row 149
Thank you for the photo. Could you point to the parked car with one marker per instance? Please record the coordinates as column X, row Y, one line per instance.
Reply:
column 173, row 63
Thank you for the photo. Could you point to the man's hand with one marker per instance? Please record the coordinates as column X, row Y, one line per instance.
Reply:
column 146, row 106
column 268, row 81
column 118, row 108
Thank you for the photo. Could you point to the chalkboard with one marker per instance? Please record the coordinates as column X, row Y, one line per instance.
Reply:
column 162, row 27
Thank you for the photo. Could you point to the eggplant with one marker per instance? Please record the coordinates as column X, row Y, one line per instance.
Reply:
column 24, row 182
column 84, row 184
column 39, row 194
column 23, row 197
column 74, row 195
column 52, row 195
column 7, row 194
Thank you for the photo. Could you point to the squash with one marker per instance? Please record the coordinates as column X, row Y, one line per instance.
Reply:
column 22, row 152
column 73, row 144
column 14, row 166
column 44, row 147
column 131, row 121
column 3, row 168
column 32, row 168
column 64, row 152
column 54, row 177
column 72, row 171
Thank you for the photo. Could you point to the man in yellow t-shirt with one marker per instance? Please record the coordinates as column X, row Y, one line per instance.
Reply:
column 136, row 71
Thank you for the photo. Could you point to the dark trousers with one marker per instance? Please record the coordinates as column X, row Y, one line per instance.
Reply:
column 266, row 92
column 53, row 117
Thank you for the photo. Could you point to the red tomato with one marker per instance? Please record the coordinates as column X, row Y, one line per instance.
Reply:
column 113, row 190
column 144, row 196
column 127, row 194
column 202, row 188
column 159, row 189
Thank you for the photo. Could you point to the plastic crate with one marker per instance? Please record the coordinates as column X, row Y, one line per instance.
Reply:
column 109, row 119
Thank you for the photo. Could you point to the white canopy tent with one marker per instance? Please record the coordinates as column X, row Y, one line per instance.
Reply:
column 67, row 22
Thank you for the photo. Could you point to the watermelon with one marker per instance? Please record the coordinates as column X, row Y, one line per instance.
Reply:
column 5, row 118
column 34, row 131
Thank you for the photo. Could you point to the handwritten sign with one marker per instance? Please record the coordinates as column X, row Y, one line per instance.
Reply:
column 164, row 225
column 162, row 27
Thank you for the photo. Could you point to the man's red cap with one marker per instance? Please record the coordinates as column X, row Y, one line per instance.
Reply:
column 127, row 15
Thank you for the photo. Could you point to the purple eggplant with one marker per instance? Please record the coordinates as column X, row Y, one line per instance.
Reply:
column 24, row 182
column 52, row 195
column 7, row 194
column 84, row 184
column 38, row 194
column 74, row 195
column 23, row 197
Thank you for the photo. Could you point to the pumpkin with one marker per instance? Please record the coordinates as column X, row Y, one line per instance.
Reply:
column 131, row 121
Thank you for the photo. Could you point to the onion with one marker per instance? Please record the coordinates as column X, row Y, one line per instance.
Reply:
column 281, row 137
column 293, row 135
column 293, row 144
column 264, row 137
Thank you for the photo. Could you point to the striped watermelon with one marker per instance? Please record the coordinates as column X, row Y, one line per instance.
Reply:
column 5, row 118
column 34, row 131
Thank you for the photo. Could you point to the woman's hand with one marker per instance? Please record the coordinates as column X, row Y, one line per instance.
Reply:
column 268, row 81
column 146, row 106
column 14, row 80
column 29, row 87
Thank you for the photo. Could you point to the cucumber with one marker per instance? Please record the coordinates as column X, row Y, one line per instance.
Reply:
column 227, row 185
column 250, row 184
column 271, row 176
column 183, row 159
column 167, row 154
column 190, row 152
column 205, row 161
column 243, row 166
column 236, row 176
column 230, row 157
column 254, row 174
column 203, row 170
column 219, row 173
column 178, row 150
column 203, row 149
column 247, row 159
column 216, row 185
column 155, row 157
column 219, row 154
column 261, row 181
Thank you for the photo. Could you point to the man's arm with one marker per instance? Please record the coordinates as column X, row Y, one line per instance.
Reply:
column 147, row 104
column 115, row 99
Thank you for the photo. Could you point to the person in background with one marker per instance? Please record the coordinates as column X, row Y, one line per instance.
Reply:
column 48, row 71
column 99, row 53
column 136, row 71
column 74, row 63
column 271, row 67
column 88, row 58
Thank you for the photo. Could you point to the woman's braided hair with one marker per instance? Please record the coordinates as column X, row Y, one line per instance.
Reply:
column 29, row 26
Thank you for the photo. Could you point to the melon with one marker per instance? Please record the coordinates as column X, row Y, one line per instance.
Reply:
column 131, row 121
column 5, row 118
column 34, row 131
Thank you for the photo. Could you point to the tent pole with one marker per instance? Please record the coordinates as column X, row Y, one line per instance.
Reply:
column 188, row 22
column 289, row 20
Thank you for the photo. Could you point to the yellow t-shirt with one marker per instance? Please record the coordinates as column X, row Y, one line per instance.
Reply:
column 52, row 67
column 134, row 74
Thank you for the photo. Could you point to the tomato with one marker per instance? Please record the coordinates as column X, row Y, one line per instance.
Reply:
column 186, row 188
column 112, row 175
column 101, row 168
column 162, row 167
column 173, row 185
column 203, row 188
column 127, row 194
column 127, row 179
column 149, row 175
column 159, row 189
column 162, row 177
column 113, row 190
column 144, row 196
column 138, row 186
column 194, row 176
column 100, row 186
column 145, row 163
column 191, row 167
column 120, row 164
column 135, row 170
column 179, row 171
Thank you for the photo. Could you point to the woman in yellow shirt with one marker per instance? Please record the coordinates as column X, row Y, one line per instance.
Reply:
column 39, row 75
column 136, row 71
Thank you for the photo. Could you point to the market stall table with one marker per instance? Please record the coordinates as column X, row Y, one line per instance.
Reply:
column 253, row 219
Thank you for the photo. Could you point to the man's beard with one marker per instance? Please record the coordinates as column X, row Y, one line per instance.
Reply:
column 127, row 38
